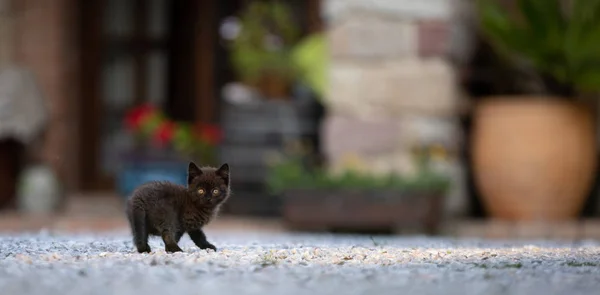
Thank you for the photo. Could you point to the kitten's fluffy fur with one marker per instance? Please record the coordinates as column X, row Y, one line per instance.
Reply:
column 168, row 210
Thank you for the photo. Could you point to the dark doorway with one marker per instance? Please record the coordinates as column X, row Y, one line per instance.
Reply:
column 134, row 51
column 160, row 51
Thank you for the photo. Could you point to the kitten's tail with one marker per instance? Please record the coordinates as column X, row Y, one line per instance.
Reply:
column 139, row 224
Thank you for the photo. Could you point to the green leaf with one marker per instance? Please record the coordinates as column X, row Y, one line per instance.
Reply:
column 588, row 79
column 543, row 18
column 310, row 57
column 292, row 173
column 503, row 32
column 553, row 42
column 495, row 23
column 583, row 34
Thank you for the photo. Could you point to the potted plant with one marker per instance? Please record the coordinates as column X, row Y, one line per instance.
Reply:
column 162, row 148
column 258, row 127
column 261, row 51
column 317, row 199
column 534, row 154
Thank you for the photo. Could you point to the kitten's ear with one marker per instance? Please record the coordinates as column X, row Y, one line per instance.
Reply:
column 223, row 171
column 193, row 172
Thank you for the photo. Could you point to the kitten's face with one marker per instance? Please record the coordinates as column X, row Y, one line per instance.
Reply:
column 209, row 185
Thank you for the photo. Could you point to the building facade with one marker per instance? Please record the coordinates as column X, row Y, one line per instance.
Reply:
column 393, row 77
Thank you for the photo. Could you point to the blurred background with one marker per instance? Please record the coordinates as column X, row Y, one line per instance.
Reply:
column 369, row 116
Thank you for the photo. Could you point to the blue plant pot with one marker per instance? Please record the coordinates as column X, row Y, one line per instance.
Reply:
column 139, row 169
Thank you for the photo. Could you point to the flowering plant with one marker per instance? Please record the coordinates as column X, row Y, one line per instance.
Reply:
column 291, row 170
column 150, row 125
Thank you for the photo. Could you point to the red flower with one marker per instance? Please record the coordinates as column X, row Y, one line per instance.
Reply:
column 210, row 133
column 164, row 133
column 136, row 116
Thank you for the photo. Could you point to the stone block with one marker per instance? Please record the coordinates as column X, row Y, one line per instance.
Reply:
column 343, row 134
column 433, row 37
column 367, row 35
column 429, row 130
column 383, row 134
column 375, row 89
column 334, row 10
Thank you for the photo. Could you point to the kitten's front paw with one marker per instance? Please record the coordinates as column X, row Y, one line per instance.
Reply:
column 208, row 246
column 143, row 248
column 173, row 249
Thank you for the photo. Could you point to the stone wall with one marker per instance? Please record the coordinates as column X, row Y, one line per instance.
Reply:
column 393, row 84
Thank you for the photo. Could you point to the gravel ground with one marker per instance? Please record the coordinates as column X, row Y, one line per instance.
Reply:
column 248, row 263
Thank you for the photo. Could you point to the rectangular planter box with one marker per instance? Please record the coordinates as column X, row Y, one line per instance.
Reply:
column 138, row 168
column 323, row 210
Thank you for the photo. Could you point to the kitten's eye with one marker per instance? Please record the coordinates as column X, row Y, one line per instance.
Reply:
column 201, row 191
column 215, row 192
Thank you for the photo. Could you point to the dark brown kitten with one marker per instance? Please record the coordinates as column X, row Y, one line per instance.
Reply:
column 169, row 210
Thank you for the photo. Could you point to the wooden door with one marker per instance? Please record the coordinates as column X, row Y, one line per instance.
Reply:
column 125, row 61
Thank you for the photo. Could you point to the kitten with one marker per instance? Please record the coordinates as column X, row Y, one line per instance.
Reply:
column 169, row 210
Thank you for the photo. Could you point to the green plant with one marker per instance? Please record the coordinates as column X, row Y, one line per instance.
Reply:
column 268, row 34
column 294, row 172
column 310, row 58
column 559, row 40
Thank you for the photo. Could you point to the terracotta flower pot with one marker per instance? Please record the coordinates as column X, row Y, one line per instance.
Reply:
column 534, row 157
column 274, row 86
